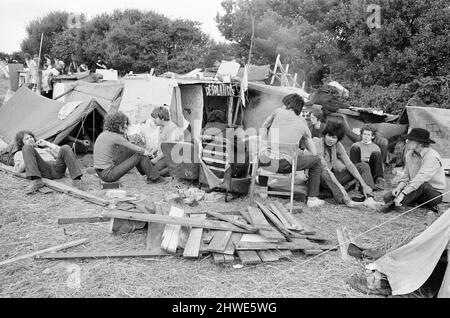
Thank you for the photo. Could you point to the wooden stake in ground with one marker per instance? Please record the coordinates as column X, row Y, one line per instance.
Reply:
column 47, row 250
column 343, row 245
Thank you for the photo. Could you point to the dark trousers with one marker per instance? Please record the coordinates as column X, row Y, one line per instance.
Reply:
column 125, row 160
column 304, row 161
column 423, row 194
column 375, row 161
column 36, row 167
column 383, row 144
column 345, row 176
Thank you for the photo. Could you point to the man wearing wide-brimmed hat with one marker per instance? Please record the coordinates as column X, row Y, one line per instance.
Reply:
column 424, row 179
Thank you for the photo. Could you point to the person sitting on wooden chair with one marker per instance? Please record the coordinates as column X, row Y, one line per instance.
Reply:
column 290, row 127
column 114, row 155
column 42, row 159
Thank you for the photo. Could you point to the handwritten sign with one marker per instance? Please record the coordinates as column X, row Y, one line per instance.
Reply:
column 219, row 90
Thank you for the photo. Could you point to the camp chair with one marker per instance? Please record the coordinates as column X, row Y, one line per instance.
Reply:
column 263, row 171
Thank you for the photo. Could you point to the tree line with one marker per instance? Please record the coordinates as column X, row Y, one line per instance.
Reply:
column 311, row 36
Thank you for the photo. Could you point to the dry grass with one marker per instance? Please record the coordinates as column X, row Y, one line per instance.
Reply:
column 29, row 223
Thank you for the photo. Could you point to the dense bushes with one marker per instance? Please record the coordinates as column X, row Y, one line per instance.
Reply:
column 433, row 91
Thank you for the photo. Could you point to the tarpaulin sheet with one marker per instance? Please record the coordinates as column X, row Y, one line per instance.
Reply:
column 436, row 121
column 408, row 267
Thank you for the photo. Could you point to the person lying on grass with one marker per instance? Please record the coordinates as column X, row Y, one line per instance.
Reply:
column 42, row 159
column 114, row 155
column 338, row 169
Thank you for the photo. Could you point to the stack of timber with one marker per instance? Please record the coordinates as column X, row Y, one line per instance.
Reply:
column 258, row 234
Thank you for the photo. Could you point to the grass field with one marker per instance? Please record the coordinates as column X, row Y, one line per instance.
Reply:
column 29, row 223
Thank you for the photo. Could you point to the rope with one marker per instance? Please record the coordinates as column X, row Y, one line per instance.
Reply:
column 362, row 234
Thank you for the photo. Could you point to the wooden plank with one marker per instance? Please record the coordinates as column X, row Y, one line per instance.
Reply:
column 207, row 236
column 273, row 218
column 285, row 254
column 343, row 246
column 246, row 216
column 102, row 254
column 298, row 245
column 269, row 255
column 254, row 238
column 218, row 258
column 184, row 221
column 305, row 228
column 284, row 219
column 290, row 218
column 47, row 250
column 87, row 219
column 192, row 248
column 249, row 257
column 231, row 247
column 60, row 187
column 171, row 232
column 232, row 220
column 220, row 241
column 233, row 213
column 259, row 219
column 228, row 258
column 154, row 234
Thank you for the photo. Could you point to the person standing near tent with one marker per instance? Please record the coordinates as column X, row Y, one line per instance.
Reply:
column 367, row 151
column 337, row 168
column 424, row 178
column 47, row 76
column 168, row 132
column 32, row 66
column 287, row 124
column 114, row 155
column 73, row 65
column 42, row 159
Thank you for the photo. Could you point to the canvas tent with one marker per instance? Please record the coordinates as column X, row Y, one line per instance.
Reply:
column 106, row 94
column 26, row 110
column 409, row 267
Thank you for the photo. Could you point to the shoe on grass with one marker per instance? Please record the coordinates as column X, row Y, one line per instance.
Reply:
column 314, row 202
column 34, row 186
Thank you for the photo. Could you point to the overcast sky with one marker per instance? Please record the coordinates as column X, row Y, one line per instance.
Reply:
column 16, row 14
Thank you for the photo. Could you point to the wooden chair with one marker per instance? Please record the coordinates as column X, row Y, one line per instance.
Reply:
column 257, row 171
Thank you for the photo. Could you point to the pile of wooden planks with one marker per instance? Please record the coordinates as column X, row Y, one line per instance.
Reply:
column 258, row 234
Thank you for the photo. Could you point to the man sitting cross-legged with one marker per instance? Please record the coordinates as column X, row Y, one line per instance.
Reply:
column 114, row 155
column 424, row 179
column 42, row 159
column 367, row 151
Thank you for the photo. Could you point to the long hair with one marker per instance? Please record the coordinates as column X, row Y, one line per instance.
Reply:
column 19, row 138
column 294, row 102
column 113, row 122
column 161, row 113
column 334, row 128
column 318, row 114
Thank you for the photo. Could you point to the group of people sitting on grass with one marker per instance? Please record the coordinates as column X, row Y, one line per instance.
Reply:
column 329, row 167
column 114, row 155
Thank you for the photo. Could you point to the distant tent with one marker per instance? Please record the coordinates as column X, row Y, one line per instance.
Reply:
column 26, row 110
column 106, row 94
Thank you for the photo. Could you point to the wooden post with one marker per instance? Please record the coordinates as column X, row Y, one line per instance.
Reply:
column 275, row 69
